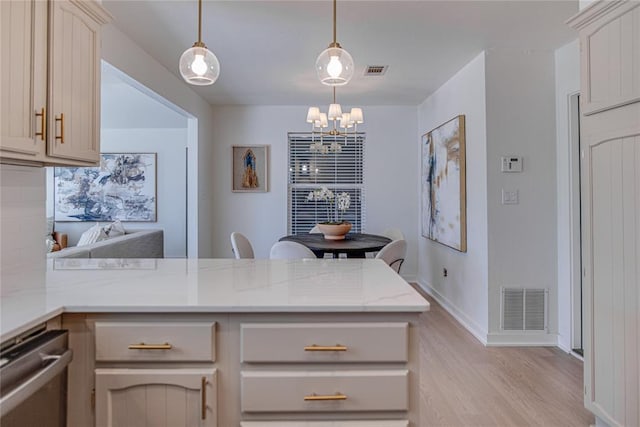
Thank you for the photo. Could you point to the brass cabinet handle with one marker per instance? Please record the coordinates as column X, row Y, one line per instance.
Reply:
column 336, row 347
column 204, row 398
column 143, row 346
column 337, row 396
column 43, row 124
column 61, row 120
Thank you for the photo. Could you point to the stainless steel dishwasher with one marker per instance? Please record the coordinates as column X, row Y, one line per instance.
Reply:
column 33, row 381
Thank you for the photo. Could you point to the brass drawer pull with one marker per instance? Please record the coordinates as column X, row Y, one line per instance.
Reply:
column 204, row 398
column 143, row 346
column 61, row 120
column 43, row 124
column 337, row 396
column 336, row 347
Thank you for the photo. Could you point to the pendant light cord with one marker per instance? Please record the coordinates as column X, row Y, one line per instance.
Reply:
column 334, row 22
column 199, row 21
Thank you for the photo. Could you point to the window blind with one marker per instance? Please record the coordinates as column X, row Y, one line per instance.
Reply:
column 338, row 170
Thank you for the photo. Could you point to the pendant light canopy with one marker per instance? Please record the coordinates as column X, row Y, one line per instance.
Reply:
column 198, row 65
column 334, row 65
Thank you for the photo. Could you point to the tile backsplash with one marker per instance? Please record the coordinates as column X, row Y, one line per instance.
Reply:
column 22, row 227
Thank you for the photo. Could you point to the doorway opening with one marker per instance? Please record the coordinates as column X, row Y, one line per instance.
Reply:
column 136, row 120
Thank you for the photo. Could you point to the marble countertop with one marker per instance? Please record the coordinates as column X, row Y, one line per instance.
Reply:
column 206, row 286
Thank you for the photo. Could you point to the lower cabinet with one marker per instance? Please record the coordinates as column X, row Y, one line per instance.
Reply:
column 156, row 397
column 247, row 370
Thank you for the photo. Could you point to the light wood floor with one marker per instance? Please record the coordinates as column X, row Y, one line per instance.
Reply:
column 464, row 383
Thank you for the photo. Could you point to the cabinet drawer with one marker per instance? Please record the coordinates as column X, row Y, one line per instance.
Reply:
column 159, row 342
column 331, row 391
column 324, row 342
column 367, row 423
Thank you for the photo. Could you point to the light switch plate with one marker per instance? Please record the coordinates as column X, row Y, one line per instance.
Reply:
column 510, row 197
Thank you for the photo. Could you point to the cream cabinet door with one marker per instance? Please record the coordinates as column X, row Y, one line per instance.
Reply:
column 74, row 91
column 23, row 79
column 156, row 397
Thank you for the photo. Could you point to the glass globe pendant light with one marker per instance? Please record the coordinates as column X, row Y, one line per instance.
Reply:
column 334, row 65
column 198, row 65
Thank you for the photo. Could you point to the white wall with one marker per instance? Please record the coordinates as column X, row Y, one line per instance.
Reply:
column 390, row 174
column 464, row 291
column 520, row 98
column 567, row 68
column 121, row 52
column 22, row 228
column 171, row 180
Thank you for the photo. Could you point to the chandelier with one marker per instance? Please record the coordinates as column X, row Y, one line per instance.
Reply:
column 320, row 121
column 334, row 65
column 198, row 65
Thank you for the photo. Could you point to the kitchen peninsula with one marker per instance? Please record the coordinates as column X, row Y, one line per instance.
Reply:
column 222, row 342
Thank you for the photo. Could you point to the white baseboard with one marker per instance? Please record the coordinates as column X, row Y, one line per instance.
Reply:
column 469, row 324
column 564, row 346
column 411, row 278
column 528, row 339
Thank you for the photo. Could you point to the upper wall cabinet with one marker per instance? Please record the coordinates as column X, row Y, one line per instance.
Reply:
column 50, row 81
column 610, row 59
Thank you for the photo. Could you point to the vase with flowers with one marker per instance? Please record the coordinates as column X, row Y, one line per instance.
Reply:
column 334, row 228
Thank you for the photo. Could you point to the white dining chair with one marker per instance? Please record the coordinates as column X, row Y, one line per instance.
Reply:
column 241, row 246
column 393, row 254
column 290, row 250
column 393, row 234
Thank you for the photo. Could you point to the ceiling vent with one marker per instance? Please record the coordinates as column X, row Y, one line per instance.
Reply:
column 375, row 70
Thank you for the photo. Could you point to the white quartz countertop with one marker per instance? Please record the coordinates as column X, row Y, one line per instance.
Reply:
column 206, row 286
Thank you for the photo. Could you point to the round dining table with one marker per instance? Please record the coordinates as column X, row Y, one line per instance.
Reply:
column 355, row 245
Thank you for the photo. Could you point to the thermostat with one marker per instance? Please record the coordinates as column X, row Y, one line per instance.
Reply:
column 511, row 164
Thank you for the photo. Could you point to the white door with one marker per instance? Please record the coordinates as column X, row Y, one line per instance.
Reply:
column 156, row 397
column 612, row 259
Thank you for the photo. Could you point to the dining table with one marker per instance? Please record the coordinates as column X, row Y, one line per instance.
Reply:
column 354, row 245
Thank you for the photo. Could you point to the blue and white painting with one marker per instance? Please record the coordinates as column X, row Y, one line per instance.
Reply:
column 444, row 184
column 122, row 188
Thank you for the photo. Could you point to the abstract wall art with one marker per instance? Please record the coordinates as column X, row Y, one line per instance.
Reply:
column 444, row 184
column 122, row 188
column 250, row 163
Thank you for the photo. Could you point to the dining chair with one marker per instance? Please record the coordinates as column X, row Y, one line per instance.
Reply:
column 315, row 229
column 290, row 250
column 241, row 246
column 393, row 254
column 393, row 234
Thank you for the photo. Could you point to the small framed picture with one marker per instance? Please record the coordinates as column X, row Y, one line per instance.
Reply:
column 250, row 168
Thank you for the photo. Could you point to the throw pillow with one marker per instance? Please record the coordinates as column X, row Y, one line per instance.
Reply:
column 114, row 229
column 92, row 235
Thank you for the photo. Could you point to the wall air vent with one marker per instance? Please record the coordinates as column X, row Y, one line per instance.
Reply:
column 524, row 309
column 375, row 70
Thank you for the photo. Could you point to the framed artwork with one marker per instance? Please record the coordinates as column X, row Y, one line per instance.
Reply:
column 250, row 168
column 122, row 188
column 444, row 218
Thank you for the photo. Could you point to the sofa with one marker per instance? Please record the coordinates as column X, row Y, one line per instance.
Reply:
column 148, row 243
